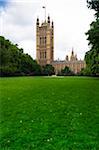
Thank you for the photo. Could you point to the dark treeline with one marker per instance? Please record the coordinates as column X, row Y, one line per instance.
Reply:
column 14, row 62
column 66, row 72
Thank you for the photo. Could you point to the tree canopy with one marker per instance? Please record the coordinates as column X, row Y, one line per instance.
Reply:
column 92, row 56
column 14, row 62
column 94, row 4
column 66, row 72
column 48, row 70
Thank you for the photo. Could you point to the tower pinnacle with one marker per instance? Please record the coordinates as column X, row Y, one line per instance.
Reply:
column 37, row 22
column 48, row 19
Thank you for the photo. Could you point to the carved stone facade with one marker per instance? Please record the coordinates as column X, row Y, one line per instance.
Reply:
column 45, row 49
column 44, row 42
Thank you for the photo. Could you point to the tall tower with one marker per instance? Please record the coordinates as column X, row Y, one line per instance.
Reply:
column 44, row 42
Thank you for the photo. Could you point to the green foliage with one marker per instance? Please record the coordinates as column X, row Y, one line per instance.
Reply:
column 66, row 71
column 92, row 61
column 14, row 62
column 92, row 56
column 49, row 113
column 94, row 4
column 48, row 70
column 93, row 35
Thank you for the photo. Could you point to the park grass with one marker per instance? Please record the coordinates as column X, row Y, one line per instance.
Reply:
column 40, row 113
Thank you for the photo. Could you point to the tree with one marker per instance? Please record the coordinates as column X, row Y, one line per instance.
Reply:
column 29, row 66
column 14, row 62
column 48, row 70
column 94, row 4
column 92, row 56
column 66, row 71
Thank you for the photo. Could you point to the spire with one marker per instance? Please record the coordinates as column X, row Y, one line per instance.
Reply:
column 52, row 24
column 72, row 51
column 37, row 22
column 48, row 19
column 72, row 58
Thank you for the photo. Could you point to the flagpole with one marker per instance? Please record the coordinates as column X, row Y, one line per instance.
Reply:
column 45, row 13
column 44, row 7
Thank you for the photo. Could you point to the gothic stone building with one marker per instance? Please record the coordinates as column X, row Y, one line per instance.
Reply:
column 45, row 49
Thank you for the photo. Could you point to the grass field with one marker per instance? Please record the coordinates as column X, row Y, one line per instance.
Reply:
column 49, row 113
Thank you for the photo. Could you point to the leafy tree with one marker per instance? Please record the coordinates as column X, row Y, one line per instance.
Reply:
column 29, row 66
column 66, row 71
column 48, row 70
column 14, row 62
column 92, row 56
column 94, row 4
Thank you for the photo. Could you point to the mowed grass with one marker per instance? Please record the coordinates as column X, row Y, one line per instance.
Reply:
column 49, row 113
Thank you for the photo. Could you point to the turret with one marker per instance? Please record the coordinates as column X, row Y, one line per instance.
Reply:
column 52, row 24
column 72, row 53
column 67, row 59
column 37, row 22
column 48, row 20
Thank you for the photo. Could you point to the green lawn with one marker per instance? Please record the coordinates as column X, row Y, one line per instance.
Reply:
column 49, row 113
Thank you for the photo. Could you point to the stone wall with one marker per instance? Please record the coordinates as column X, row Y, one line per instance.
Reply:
column 74, row 66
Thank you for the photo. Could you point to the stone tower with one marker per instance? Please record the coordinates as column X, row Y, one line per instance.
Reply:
column 44, row 42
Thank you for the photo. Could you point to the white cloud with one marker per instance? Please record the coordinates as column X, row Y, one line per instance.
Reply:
column 71, row 19
column 28, row 46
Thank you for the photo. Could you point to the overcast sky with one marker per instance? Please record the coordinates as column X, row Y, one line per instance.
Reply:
column 71, row 20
